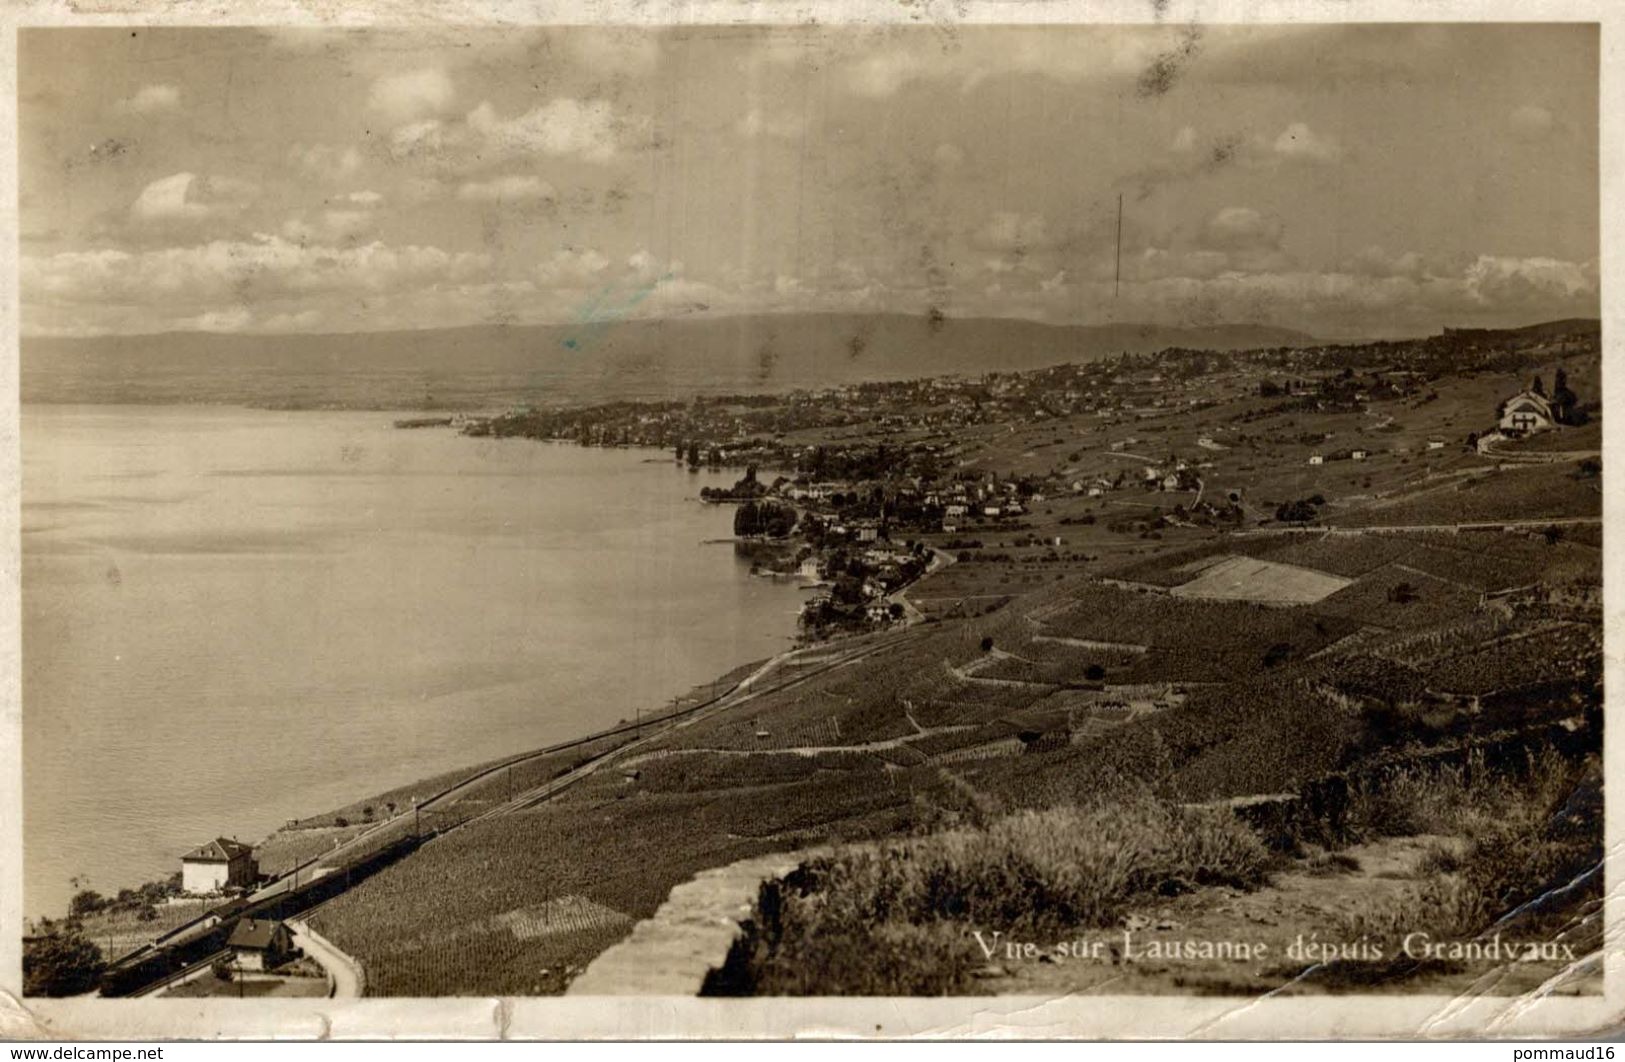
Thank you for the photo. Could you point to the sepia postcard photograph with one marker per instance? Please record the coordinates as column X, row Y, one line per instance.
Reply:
column 761, row 514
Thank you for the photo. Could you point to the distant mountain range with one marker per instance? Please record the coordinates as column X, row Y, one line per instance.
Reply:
column 487, row 366
column 1568, row 326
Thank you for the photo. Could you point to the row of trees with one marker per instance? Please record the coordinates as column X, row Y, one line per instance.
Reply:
column 766, row 518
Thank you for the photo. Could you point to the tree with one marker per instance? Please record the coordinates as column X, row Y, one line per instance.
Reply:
column 1539, row 386
column 1296, row 512
column 987, row 644
column 84, row 902
column 1402, row 594
column 61, row 963
column 1094, row 672
column 1563, row 399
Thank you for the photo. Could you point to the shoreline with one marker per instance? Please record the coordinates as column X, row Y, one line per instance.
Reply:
column 683, row 687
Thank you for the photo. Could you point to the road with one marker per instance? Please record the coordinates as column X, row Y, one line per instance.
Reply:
column 347, row 978
column 746, row 691
column 1381, row 529
column 402, row 825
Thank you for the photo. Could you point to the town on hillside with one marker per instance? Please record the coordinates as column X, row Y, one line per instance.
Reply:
column 1023, row 590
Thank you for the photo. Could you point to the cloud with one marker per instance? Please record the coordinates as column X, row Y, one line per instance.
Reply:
column 1191, row 155
column 884, row 72
column 365, row 197
column 231, row 319
column 571, row 267
column 1530, row 123
column 326, row 162
column 329, row 226
column 188, row 197
column 1009, row 232
column 416, row 139
column 586, row 129
column 1298, row 141
column 1501, row 281
column 784, row 126
column 511, row 188
column 879, row 64
column 1236, row 228
column 412, row 95
column 948, row 156
column 1373, row 261
column 150, row 99
column 86, row 289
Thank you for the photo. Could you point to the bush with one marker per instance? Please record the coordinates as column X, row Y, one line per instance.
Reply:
column 1034, row 872
column 60, row 963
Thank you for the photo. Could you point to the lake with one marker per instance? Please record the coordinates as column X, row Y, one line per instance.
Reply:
column 235, row 617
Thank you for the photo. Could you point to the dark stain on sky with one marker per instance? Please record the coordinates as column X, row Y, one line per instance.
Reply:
column 1165, row 70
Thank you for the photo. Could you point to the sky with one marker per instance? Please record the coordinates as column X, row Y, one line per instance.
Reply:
column 1345, row 180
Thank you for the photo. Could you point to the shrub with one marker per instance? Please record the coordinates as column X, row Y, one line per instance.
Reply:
column 60, row 963
column 1033, row 872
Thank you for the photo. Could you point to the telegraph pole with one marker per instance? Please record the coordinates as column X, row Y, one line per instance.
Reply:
column 1117, row 284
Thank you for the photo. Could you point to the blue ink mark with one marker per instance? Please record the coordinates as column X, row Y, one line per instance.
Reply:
column 603, row 310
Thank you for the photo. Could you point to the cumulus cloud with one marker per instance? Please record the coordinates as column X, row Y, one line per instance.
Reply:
column 414, row 139
column 366, row 197
column 1237, row 228
column 412, row 95
column 1530, row 123
column 233, row 272
column 585, row 129
column 1192, row 155
column 571, row 267
column 512, row 188
column 150, row 99
column 1497, row 281
column 1298, row 141
column 327, row 226
column 1374, row 261
column 189, row 197
column 326, row 162
column 1010, row 232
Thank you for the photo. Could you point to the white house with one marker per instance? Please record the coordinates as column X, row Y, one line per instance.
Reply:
column 1527, row 412
column 1359, row 455
column 217, row 865
column 1316, row 459
column 1435, row 444
column 260, row 944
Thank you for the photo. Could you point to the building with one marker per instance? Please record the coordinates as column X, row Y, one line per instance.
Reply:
column 1435, row 444
column 1527, row 412
column 260, row 944
column 218, row 865
column 1316, row 459
column 1359, row 455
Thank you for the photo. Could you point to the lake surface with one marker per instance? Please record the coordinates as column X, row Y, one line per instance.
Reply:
column 234, row 617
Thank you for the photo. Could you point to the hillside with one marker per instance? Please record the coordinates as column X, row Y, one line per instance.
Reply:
column 481, row 367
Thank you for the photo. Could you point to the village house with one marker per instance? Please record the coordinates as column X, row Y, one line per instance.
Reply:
column 260, row 944
column 218, row 865
column 1527, row 412
column 1359, row 455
